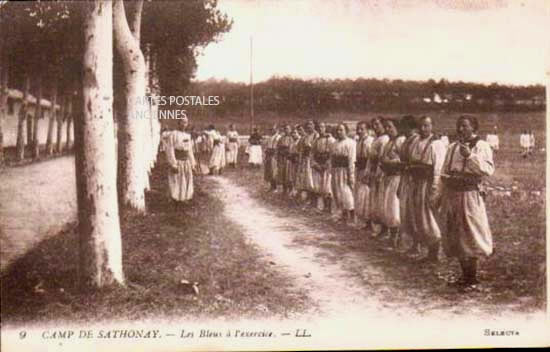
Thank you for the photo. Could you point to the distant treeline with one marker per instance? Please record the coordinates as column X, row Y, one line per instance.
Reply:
column 295, row 96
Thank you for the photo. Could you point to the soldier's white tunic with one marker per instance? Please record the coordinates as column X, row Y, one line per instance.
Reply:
column 445, row 140
column 390, row 153
column 178, row 147
column 270, row 170
column 468, row 233
column 493, row 141
column 283, row 147
column 525, row 142
column 343, row 171
column 217, row 156
column 429, row 154
column 405, row 190
column 232, row 147
column 292, row 163
column 362, row 189
column 305, row 172
column 322, row 178
column 255, row 149
column 376, row 187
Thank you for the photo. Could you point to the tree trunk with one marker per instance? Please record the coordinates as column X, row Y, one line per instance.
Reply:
column 60, row 118
column 20, row 145
column 53, row 118
column 135, row 9
column 30, row 123
column 99, row 227
column 132, row 120
column 3, row 103
column 68, row 142
column 37, row 117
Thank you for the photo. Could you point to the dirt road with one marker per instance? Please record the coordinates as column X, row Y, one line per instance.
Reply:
column 347, row 284
column 36, row 201
column 330, row 285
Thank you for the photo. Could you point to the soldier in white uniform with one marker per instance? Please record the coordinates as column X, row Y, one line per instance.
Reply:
column 375, row 173
column 343, row 172
column 178, row 146
column 232, row 146
column 217, row 155
column 321, row 166
column 305, row 171
column 270, row 166
column 255, row 148
column 493, row 140
column 405, row 189
column 362, row 190
column 425, row 163
column 392, row 166
column 468, row 235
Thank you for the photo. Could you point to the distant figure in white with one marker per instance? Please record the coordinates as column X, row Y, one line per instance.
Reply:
column 444, row 139
column 492, row 139
column 531, row 142
column 178, row 146
column 232, row 146
column 525, row 143
column 217, row 150
column 255, row 148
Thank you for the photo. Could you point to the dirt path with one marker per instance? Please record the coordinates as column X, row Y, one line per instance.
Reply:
column 35, row 201
column 333, row 288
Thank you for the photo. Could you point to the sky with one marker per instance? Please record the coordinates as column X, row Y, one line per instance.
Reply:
column 504, row 41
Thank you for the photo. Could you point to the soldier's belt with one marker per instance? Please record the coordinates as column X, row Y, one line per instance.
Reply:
column 321, row 158
column 392, row 169
column 282, row 150
column 294, row 157
column 217, row 142
column 421, row 171
column 361, row 163
column 462, row 183
column 340, row 161
column 181, row 154
column 233, row 140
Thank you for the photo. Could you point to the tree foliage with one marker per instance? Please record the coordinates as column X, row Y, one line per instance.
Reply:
column 317, row 96
column 175, row 32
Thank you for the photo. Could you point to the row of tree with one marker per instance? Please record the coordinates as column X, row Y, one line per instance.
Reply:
column 318, row 96
column 103, row 56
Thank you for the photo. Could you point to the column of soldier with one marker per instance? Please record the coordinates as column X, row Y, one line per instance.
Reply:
column 397, row 176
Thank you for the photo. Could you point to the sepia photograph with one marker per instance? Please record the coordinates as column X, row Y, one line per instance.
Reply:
column 258, row 175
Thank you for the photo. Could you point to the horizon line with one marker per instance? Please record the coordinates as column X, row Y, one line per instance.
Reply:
column 275, row 76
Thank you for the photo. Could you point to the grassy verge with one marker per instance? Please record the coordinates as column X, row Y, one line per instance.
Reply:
column 513, row 278
column 159, row 250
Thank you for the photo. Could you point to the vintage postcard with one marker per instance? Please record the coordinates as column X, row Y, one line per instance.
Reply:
column 273, row 174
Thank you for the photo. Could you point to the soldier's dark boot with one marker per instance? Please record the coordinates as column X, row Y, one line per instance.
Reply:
column 352, row 216
column 433, row 254
column 395, row 238
column 471, row 273
column 368, row 225
column 328, row 205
